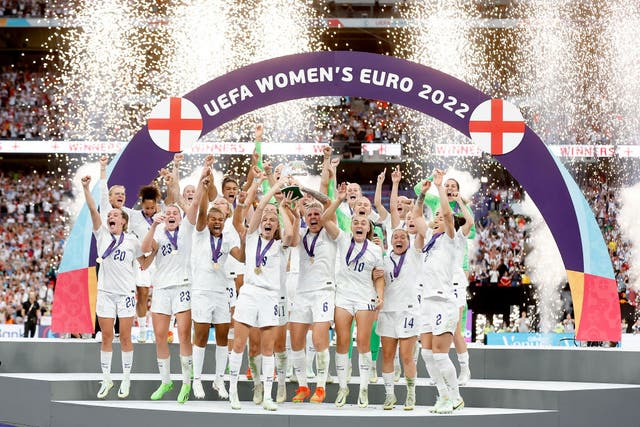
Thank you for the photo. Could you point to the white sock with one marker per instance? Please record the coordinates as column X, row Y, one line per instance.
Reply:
column 198, row 361
column 322, row 362
column 427, row 357
column 448, row 372
column 235, row 360
column 142, row 322
column 268, row 364
column 186, row 363
column 281, row 367
column 255, row 364
column 221, row 361
column 299, row 361
column 105, row 364
column 287, row 349
column 164, row 366
column 416, row 353
column 434, row 371
column 311, row 350
column 411, row 385
column 341, row 368
column 387, row 377
column 463, row 359
column 127, row 362
column 365, row 363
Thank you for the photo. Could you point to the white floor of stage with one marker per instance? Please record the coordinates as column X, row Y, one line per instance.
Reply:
column 492, row 384
column 288, row 408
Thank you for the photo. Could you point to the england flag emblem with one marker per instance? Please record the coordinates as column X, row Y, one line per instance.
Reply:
column 175, row 124
column 496, row 126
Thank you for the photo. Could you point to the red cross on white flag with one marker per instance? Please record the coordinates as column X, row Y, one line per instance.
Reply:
column 175, row 124
column 496, row 126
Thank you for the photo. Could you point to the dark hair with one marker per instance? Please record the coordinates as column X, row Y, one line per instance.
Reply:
column 149, row 192
column 215, row 210
column 457, row 183
column 228, row 179
column 372, row 230
column 458, row 221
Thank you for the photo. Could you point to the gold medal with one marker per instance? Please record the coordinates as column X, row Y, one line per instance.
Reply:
column 257, row 270
column 216, row 266
column 311, row 259
column 99, row 260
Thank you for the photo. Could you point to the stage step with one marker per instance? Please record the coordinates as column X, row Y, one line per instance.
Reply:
column 576, row 403
column 592, row 364
column 159, row 414
column 54, row 383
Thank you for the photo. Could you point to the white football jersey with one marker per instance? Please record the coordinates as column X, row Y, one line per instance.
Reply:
column 319, row 274
column 117, row 270
column 206, row 276
column 401, row 293
column 173, row 266
column 354, row 280
column 437, row 267
column 271, row 269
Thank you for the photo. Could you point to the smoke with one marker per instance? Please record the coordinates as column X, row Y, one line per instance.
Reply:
column 75, row 204
column 468, row 184
column 545, row 266
column 630, row 228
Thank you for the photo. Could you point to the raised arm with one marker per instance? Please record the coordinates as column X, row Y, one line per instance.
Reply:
column 191, row 211
column 238, row 214
column 212, row 191
column 105, row 205
column 257, row 215
column 445, row 209
column 322, row 198
column 268, row 170
column 468, row 216
column 172, row 180
column 418, row 215
column 289, row 220
column 203, row 204
column 329, row 215
column 95, row 215
column 325, row 173
column 396, row 176
column 251, row 172
column 377, row 198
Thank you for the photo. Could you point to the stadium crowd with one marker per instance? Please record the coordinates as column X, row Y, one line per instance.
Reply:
column 358, row 120
column 23, row 104
column 34, row 8
column 32, row 230
column 604, row 199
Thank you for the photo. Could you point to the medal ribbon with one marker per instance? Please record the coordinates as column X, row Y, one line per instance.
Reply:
column 362, row 251
column 113, row 246
column 397, row 267
column 172, row 238
column 431, row 242
column 260, row 254
column 149, row 219
column 215, row 248
column 310, row 252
